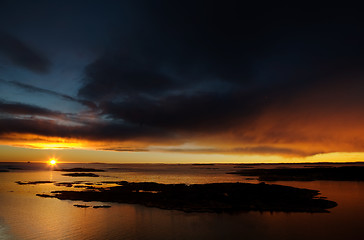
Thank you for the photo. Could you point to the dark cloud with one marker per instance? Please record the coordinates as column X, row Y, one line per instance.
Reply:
column 197, row 68
column 175, row 48
column 208, row 46
column 23, row 55
column 94, row 132
column 111, row 76
column 201, row 112
column 25, row 109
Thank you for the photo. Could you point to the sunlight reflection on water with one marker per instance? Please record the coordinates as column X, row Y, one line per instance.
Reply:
column 25, row 216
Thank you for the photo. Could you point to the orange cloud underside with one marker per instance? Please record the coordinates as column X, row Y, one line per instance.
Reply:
column 42, row 142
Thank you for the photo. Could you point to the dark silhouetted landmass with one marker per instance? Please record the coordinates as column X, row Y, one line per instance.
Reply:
column 80, row 170
column 81, row 206
column 215, row 197
column 81, row 175
column 33, row 183
column 3, row 170
column 347, row 173
column 45, row 195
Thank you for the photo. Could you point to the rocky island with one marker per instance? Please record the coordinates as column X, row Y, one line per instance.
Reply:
column 32, row 182
column 215, row 197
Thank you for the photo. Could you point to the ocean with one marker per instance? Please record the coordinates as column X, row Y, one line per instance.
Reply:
column 23, row 215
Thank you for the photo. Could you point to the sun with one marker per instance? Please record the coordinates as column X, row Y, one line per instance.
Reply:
column 52, row 161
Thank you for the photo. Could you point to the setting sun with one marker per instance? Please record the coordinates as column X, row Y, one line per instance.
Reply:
column 52, row 161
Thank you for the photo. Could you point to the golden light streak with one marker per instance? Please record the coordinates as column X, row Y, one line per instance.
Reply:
column 33, row 141
column 41, row 142
column 55, row 145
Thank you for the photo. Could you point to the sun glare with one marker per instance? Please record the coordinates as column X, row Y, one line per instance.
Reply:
column 52, row 161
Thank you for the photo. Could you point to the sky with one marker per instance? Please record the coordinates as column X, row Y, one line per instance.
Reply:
column 180, row 81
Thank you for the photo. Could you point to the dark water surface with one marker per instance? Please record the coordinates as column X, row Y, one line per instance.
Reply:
column 26, row 216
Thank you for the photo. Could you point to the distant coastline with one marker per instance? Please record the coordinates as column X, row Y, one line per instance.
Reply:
column 308, row 173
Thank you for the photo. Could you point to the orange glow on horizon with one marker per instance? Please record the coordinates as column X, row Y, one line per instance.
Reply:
column 22, row 154
column 33, row 147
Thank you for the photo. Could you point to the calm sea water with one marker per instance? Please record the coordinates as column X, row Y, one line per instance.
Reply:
column 26, row 216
